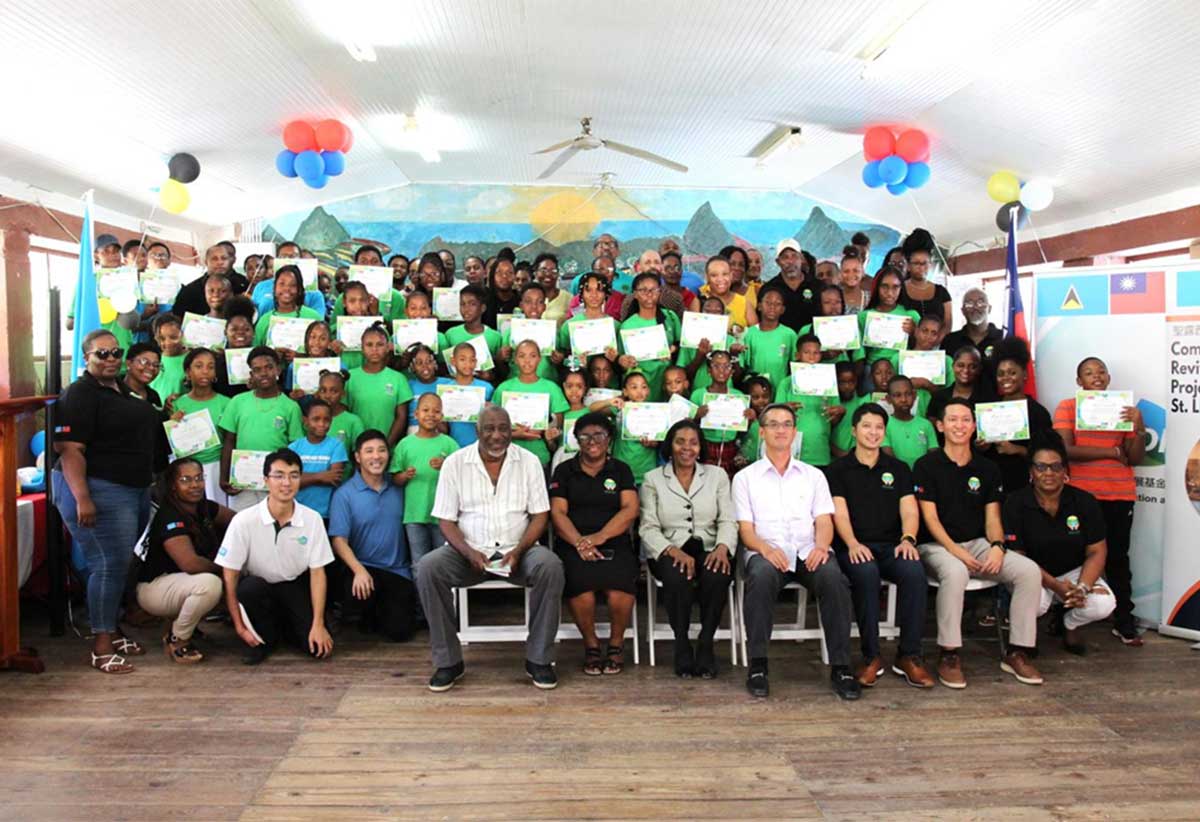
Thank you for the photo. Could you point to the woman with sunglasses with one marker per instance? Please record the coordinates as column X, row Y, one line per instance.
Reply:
column 105, row 439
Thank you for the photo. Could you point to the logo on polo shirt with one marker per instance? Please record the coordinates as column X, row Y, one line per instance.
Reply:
column 302, row 540
column 973, row 485
column 610, row 485
column 280, row 423
column 807, row 294
column 888, row 479
column 223, row 551
column 922, row 436
column 389, row 389
column 1072, row 523
column 988, row 352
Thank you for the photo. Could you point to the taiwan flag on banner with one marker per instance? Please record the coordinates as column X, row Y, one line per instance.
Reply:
column 1016, row 307
column 1139, row 293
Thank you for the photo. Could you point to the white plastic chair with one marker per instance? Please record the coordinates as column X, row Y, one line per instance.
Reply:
column 976, row 584
column 662, row 630
column 468, row 633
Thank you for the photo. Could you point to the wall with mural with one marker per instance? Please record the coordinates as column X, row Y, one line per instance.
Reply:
column 481, row 219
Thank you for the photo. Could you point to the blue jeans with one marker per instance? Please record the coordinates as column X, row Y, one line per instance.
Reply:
column 121, row 515
column 422, row 538
column 865, row 583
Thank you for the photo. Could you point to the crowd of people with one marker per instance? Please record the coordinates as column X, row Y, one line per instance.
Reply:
column 499, row 448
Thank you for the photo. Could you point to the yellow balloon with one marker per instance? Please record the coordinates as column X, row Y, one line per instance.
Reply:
column 107, row 312
column 173, row 196
column 1004, row 187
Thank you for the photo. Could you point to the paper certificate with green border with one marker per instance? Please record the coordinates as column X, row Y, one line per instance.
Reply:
column 483, row 354
column 192, row 434
column 246, row 470
column 726, row 412
column 570, row 444
column 697, row 327
column 309, row 270
column 883, row 330
column 1002, row 421
column 350, row 330
column 595, row 395
column 837, row 333
column 645, row 420
column 528, row 408
column 461, row 403
column 646, row 343
column 542, row 332
column 1101, row 410
column 287, row 332
column 681, row 408
column 410, row 332
column 592, row 336
column 377, row 279
column 202, row 332
column 504, row 323
column 306, row 371
column 445, row 304
column 236, row 366
column 814, row 379
column 929, row 365
column 159, row 285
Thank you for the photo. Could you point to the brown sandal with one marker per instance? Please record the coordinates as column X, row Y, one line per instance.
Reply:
column 593, row 664
column 111, row 664
column 181, row 650
column 615, row 662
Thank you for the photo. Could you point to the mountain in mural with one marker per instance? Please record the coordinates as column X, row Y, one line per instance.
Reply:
column 270, row 235
column 320, row 230
column 705, row 232
column 821, row 236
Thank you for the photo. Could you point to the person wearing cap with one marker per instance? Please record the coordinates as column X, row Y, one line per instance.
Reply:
column 798, row 287
column 108, row 255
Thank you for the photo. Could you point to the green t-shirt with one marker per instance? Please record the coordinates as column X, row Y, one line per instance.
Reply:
column 558, row 405
column 170, row 377
column 416, row 452
column 769, row 353
column 546, row 369
column 260, row 327
column 811, row 423
column 345, row 428
column 216, row 409
column 712, row 435
column 911, row 439
column 843, row 433
column 262, row 424
column 638, row 457
column 392, row 310
column 874, row 354
column 702, row 379
column 375, row 397
column 653, row 369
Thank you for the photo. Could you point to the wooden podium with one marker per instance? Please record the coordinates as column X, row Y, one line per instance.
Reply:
column 12, row 655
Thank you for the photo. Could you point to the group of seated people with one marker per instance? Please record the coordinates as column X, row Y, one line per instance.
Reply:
column 374, row 507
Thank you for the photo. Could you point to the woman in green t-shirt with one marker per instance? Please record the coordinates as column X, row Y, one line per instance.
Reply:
column 646, row 290
column 527, row 357
column 289, row 302
column 885, row 299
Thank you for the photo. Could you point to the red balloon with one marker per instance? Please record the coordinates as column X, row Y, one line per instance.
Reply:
column 878, row 143
column 913, row 146
column 331, row 135
column 346, row 146
column 298, row 136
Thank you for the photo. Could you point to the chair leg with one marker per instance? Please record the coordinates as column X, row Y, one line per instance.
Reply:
column 741, row 619
column 999, row 624
column 651, row 616
column 637, row 654
column 733, row 629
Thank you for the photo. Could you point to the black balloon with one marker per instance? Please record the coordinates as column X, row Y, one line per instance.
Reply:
column 184, row 167
column 1003, row 216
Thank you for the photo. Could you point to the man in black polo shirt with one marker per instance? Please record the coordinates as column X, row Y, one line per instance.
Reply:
column 1061, row 528
column 962, row 537
column 799, row 289
column 876, row 517
column 217, row 260
column 978, row 331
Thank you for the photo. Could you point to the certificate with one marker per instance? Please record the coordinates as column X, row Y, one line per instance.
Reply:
column 350, row 330
column 726, row 412
column 885, row 331
column 411, row 332
column 697, row 327
column 160, row 285
column 837, row 333
column 681, row 408
column 929, row 365
column 645, row 420
column 192, row 434
column 483, row 354
column 202, row 332
column 246, row 470
column 308, row 270
column 237, row 369
column 646, row 343
column 287, row 332
column 377, row 279
column 1101, row 410
column 113, row 282
column 528, row 408
column 542, row 332
column 461, row 403
column 594, row 395
column 570, row 444
column 504, row 322
column 814, row 379
column 306, row 371
column 1001, row 421
column 445, row 304
column 592, row 336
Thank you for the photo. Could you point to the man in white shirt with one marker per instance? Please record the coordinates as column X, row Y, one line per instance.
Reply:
column 492, row 506
column 273, row 562
column 785, row 521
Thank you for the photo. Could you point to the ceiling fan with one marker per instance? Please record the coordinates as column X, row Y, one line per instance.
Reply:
column 587, row 141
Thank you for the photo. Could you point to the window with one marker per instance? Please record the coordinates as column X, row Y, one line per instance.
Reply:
column 52, row 263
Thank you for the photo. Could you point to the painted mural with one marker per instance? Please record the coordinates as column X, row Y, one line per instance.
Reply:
column 481, row 219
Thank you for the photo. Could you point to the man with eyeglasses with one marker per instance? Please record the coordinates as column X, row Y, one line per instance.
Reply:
column 785, row 521
column 978, row 331
column 273, row 562
column 492, row 506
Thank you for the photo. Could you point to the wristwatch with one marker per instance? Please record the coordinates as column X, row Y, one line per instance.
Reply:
column 999, row 544
column 910, row 539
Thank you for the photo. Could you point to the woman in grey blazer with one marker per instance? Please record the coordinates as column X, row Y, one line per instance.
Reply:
column 688, row 534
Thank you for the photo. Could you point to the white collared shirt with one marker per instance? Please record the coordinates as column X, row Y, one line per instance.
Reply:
column 491, row 517
column 253, row 543
column 782, row 508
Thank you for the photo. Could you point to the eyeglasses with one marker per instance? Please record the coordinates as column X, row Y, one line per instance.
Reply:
column 1048, row 467
column 975, row 304
column 196, row 480
column 779, row 424
column 647, row 290
column 277, row 477
column 587, row 439
column 108, row 353
column 161, row 255
column 145, row 363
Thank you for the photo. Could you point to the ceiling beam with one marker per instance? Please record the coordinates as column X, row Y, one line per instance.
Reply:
column 1167, row 227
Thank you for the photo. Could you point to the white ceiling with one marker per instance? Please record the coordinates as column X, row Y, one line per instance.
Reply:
column 1095, row 94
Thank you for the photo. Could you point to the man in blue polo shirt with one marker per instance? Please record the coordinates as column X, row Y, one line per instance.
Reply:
column 366, row 527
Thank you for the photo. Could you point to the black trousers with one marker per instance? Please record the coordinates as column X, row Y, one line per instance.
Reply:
column 391, row 608
column 763, row 583
column 1118, row 523
column 865, row 584
column 278, row 611
column 709, row 588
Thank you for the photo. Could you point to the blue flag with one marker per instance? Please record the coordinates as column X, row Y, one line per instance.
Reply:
column 86, row 302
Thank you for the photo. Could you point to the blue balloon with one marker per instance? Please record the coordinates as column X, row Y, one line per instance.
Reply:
column 918, row 175
column 892, row 169
column 310, row 166
column 897, row 188
column 870, row 175
column 285, row 163
column 37, row 443
column 335, row 162
column 316, row 182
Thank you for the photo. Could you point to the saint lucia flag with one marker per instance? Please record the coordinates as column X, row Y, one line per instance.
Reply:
column 87, row 305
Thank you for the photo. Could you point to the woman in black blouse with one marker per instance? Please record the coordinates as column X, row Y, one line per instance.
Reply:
column 920, row 294
column 105, row 442
column 593, row 503
column 1012, row 458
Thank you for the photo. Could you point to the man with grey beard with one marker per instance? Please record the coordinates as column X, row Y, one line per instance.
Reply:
column 978, row 331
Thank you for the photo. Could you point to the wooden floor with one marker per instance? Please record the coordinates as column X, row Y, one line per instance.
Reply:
column 1112, row 736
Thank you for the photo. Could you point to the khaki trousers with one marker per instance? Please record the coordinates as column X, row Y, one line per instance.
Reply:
column 183, row 597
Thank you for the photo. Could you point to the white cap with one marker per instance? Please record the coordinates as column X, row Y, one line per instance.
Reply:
column 784, row 245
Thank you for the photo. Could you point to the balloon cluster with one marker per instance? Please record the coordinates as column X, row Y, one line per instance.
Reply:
column 314, row 153
column 173, row 194
column 898, row 162
column 1032, row 195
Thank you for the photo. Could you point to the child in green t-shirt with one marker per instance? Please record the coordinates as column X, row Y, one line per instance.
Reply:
column 378, row 394
column 850, row 399
column 815, row 415
column 532, row 307
column 574, row 387
column 640, row 455
column 168, row 335
column 720, row 446
column 769, row 345
column 345, row 426
column 761, row 392
column 527, row 357
column 357, row 303
column 416, row 462
column 316, row 344
column 200, row 368
column 908, row 438
column 693, row 359
column 471, row 302
column 676, row 383
column 928, row 337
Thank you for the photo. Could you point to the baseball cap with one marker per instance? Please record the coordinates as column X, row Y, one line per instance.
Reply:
column 105, row 240
column 784, row 245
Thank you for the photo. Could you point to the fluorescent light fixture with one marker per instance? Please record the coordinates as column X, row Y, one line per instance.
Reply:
column 362, row 52
column 430, row 155
column 362, row 22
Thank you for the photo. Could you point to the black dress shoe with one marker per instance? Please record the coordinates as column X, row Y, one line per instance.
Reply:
column 757, row 684
column 845, row 685
column 543, row 676
column 256, row 655
column 443, row 679
column 685, row 663
column 706, row 660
